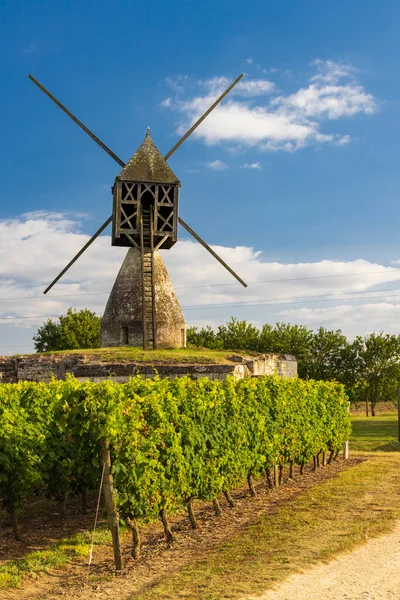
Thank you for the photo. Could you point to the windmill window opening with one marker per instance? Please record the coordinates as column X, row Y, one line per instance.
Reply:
column 129, row 209
column 125, row 336
column 147, row 199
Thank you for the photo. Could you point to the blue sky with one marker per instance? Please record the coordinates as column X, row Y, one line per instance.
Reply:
column 298, row 167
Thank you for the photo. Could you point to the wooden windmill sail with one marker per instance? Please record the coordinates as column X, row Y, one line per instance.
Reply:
column 142, row 308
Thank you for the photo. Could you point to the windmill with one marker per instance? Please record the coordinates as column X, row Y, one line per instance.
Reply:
column 142, row 309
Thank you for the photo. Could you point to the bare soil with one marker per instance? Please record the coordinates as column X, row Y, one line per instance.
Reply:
column 41, row 524
column 158, row 558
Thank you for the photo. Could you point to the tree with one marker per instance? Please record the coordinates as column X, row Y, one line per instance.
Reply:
column 203, row 338
column 287, row 339
column 75, row 330
column 47, row 337
column 325, row 359
column 292, row 339
column 378, row 368
column 235, row 335
column 239, row 335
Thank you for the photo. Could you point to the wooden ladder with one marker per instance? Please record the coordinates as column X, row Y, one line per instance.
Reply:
column 148, row 292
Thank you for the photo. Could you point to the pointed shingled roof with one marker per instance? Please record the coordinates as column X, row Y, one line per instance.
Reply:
column 148, row 165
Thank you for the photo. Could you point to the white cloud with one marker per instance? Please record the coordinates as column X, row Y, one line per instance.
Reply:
column 217, row 165
column 249, row 61
column 357, row 295
column 332, row 72
column 255, row 87
column 355, row 319
column 166, row 103
column 326, row 101
column 237, row 122
column 176, row 84
column 245, row 87
column 254, row 165
column 346, row 139
column 286, row 122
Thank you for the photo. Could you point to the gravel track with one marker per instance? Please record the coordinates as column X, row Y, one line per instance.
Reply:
column 371, row 572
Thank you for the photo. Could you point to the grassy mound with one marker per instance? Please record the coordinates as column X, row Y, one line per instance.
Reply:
column 173, row 356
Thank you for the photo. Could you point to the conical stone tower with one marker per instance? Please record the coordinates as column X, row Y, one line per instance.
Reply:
column 122, row 322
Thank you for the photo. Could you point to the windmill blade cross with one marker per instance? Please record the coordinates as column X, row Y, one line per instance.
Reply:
column 122, row 164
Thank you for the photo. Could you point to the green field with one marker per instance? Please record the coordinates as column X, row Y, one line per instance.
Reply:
column 374, row 434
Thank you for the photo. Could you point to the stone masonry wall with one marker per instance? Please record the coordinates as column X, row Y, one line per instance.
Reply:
column 84, row 367
column 8, row 369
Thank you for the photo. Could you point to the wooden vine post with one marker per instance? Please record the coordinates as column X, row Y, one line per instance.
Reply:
column 346, row 444
column 398, row 414
column 346, row 450
column 276, row 476
column 109, row 499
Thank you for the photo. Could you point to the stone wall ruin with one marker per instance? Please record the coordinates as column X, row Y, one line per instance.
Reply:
column 42, row 367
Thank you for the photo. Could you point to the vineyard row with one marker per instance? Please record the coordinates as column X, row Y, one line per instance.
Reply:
column 165, row 443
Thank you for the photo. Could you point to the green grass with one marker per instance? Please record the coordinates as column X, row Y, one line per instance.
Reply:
column 374, row 434
column 172, row 356
column 56, row 555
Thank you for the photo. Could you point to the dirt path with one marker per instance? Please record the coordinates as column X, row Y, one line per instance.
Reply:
column 371, row 572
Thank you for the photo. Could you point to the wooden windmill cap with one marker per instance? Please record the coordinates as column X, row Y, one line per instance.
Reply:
column 147, row 165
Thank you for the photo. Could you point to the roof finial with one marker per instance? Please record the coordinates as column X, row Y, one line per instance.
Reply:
column 148, row 132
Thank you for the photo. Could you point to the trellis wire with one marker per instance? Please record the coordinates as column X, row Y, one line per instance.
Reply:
column 95, row 524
